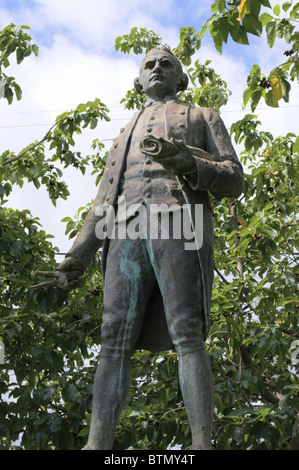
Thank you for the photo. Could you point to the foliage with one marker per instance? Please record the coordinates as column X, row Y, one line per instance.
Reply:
column 52, row 338
column 239, row 20
column 14, row 39
column 35, row 165
column 137, row 41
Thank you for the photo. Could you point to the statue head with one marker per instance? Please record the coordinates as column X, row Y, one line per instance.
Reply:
column 160, row 74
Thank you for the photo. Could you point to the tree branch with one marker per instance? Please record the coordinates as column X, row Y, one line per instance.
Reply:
column 221, row 276
column 234, row 217
column 11, row 160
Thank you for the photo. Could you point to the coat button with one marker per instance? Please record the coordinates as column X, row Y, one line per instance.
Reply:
column 182, row 126
column 122, row 129
column 182, row 112
column 115, row 145
column 149, row 129
column 148, row 161
column 111, row 180
column 113, row 163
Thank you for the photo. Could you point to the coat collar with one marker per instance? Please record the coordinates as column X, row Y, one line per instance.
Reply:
column 163, row 101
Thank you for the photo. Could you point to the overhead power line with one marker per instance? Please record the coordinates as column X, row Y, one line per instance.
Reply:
column 127, row 119
column 49, row 110
column 50, row 124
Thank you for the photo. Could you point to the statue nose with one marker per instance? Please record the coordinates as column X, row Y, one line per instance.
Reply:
column 157, row 66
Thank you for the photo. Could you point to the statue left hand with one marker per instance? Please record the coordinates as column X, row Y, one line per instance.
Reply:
column 181, row 163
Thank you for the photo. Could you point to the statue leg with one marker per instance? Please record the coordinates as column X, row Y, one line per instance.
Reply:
column 111, row 387
column 129, row 281
column 179, row 278
column 197, row 389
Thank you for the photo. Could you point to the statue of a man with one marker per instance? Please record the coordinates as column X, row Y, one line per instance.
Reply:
column 157, row 293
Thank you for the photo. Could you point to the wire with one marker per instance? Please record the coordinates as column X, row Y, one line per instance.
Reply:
column 48, row 110
column 63, row 110
column 115, row 119
column 50, row 124
column 127, row 119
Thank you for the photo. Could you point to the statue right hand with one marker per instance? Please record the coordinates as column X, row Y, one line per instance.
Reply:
column 71, row 271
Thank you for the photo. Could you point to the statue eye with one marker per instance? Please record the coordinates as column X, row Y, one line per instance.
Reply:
column 166, row 64
column 149, row 65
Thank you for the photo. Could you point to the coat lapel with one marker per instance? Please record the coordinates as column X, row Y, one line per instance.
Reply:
column 117, row 159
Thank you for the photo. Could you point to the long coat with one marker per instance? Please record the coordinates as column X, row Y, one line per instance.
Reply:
column 223, row 177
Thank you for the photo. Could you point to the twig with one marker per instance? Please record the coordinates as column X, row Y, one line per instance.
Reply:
column 174, row 409
column 221, row 276
column 11, row 160
column 293, row 61
column 235, row 224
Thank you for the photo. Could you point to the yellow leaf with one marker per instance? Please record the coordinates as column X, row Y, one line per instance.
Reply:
column 276, row 90
column 242, row 223
column 242, row 10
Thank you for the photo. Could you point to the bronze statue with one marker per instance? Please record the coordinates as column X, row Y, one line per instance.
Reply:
column 157, row 293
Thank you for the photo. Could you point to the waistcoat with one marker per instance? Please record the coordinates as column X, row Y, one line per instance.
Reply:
column 145, row 181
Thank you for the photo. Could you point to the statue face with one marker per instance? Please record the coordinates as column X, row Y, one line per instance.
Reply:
column 159, row 74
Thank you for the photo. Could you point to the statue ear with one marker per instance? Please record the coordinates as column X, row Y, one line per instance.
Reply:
column 138, row 86
column 183, row 82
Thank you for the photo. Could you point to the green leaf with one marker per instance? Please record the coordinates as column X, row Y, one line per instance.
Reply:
column 164, row 395
column 4, row 430
column 296, row 145
column 286, row 6
column 20, row 54
column 50, row 392
column 255, row 302
column 47, row 360
column 265, row 3
column 252, row 24
column 151, row 433
column 55, row 423
column 35, row 49
column 246, row 96
column 72, row 392
column 238, row 33
column 265, row 18
column 271, row 33
column 84, row 432
column 223, row 28
column 65, row 439
column 234, row 333
column 11, row 46
column 216, row 35
column 18, row 92
column 276, row 10
column 255, row 98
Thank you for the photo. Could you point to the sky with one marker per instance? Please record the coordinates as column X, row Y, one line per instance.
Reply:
column 77, row 62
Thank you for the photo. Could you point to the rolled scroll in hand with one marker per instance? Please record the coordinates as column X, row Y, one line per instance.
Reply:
column 160, row 147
